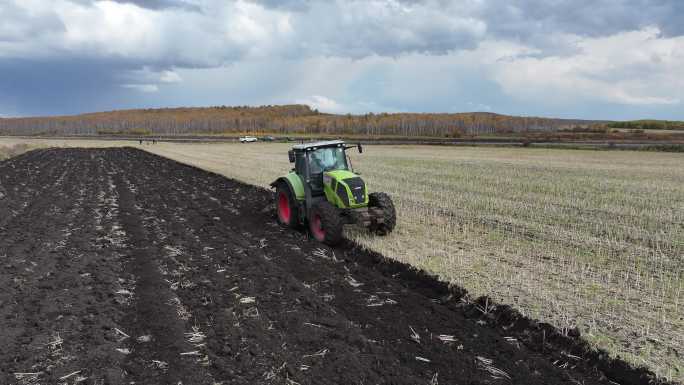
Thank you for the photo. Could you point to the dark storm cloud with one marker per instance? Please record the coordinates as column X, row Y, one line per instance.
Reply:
column 427, row 25
column 17, row 23
column 533, row 19
column 670, row 15
column 294, row 5
column 161, row 4
column 152, row 4
column 386, row 28
column 68, row 86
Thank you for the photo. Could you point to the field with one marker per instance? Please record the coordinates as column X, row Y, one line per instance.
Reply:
column 8, row 151
column 118, row 266
column 585, row 240
column 581, row 239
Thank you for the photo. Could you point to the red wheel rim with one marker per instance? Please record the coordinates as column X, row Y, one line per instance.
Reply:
column 283, row 208
column 317, row 228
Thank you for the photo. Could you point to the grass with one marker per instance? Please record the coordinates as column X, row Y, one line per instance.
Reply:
column 586, row 239
column 14, row 149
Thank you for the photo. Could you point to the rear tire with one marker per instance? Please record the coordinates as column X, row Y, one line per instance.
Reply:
column 287, row 208
column 383, row 202
column 325, row 224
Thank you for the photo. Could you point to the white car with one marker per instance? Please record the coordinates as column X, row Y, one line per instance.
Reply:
column 247, row 139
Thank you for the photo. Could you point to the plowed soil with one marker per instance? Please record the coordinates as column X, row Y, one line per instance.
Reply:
column 121, row 267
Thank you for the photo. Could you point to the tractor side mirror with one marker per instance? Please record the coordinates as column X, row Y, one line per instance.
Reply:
column 360, row 148
column 290, row 154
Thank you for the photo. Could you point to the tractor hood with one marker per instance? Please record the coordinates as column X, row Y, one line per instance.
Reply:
column 345, row 189
column 339, row 174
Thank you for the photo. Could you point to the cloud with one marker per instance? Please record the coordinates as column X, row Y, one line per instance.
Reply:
column 388, row 28
column 323, row 104
column 147, row 88
column 222, row 33
column 169, row 77
column 533, row 20
column 62, row 86
column 20, row 24
column 475, row 107
column 149, row 81
column 161, row 33
column 152, row 4
column 518, row 56
column 203, row 33
column 631, row 68
column 295, row 5
column 151, row 75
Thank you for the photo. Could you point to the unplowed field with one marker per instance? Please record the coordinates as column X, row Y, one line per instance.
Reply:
column 119, row 267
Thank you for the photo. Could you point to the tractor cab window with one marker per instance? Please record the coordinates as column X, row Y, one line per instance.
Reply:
column 327, row 159
column 300, row 162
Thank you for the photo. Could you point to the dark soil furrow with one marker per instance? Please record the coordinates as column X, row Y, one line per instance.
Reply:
column 158, row 334
column 86, row 276
column 228, row 257
column 21, row 187
column 50, row 294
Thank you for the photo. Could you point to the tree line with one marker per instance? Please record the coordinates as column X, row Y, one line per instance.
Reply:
column 648, row 125
column 282, row 120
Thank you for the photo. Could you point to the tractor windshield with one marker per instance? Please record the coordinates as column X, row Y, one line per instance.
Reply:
column 326, row 159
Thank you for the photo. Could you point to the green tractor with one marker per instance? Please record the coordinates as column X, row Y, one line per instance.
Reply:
column 323, row 191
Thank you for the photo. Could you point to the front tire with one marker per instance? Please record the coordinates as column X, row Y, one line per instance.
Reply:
column 383, row 202
column 325, row 224
column 286, row 207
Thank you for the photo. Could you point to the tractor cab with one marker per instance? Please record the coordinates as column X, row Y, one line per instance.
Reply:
column 313, row 160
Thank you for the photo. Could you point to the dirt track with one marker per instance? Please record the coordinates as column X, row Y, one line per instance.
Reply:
column 118, row 266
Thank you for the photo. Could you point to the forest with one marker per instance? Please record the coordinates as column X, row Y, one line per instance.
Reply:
column 280, row 120
column 648, row 125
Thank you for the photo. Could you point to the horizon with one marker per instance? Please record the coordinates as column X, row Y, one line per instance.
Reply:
column 608, row 60
column 295, row 104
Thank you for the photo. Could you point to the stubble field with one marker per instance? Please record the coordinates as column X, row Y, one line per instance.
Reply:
column 585, row 240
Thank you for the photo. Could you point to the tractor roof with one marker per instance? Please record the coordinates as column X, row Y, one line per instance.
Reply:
column 325, row 143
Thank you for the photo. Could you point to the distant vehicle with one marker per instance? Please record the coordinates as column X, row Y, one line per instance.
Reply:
column 268, row 139
column 248, row 139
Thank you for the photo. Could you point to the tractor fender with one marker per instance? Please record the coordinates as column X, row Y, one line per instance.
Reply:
column 294, row 182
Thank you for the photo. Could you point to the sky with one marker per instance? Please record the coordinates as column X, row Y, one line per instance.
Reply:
column 589, row 59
